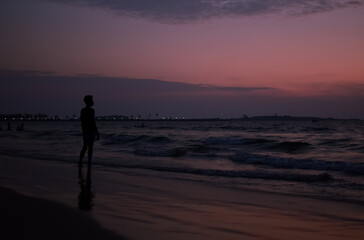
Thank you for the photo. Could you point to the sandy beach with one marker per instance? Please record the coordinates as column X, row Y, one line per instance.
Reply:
column 44, row 199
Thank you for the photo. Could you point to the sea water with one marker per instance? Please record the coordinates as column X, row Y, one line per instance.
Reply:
column 322, row 159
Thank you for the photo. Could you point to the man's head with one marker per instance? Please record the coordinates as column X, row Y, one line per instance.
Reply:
column 88, row 100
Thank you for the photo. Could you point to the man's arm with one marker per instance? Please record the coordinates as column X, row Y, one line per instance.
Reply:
column 96, row 131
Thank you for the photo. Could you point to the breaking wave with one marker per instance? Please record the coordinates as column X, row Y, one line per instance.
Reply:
column 305, row 164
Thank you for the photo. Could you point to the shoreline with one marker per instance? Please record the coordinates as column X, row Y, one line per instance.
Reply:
column 121, row 118
column 146, row 207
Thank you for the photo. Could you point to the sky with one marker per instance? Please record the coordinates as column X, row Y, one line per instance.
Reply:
column 183, row 58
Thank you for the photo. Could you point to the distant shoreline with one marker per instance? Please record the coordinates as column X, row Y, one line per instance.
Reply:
column 124, row 118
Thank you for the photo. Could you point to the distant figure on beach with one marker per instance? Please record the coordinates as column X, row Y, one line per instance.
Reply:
column 140, row 126
column 20, row 128
column 89, row 130
column 9, row 126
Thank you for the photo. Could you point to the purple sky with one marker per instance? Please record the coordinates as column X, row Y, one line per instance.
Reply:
column 229, row 58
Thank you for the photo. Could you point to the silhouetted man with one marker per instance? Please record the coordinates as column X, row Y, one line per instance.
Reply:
column 89, row 129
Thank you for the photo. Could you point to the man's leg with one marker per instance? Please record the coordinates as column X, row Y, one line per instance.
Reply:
column 90, row 152
column 82, row 154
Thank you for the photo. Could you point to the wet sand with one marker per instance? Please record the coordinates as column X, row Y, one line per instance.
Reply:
column 138, row 205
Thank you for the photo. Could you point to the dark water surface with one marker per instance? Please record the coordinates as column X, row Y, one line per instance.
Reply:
column 322, row 159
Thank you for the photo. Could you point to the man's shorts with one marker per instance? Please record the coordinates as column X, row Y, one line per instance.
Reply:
column 89, row 138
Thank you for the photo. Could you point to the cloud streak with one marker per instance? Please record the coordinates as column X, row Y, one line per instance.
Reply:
column 34, row 91
column 185, row 11
column 38, row 79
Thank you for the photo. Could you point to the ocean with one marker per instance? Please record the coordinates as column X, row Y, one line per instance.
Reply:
column 322, row 159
